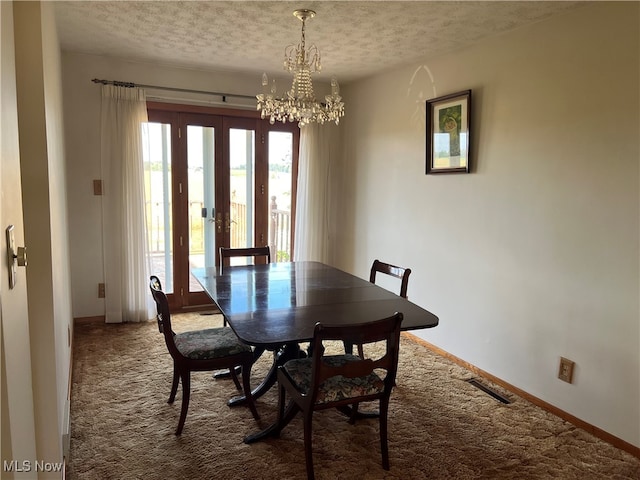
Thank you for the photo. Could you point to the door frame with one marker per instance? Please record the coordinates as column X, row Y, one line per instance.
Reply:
column 181, row 209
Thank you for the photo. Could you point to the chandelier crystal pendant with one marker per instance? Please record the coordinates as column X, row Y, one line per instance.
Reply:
column 299, row 104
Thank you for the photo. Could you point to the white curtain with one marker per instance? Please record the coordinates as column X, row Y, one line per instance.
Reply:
column 125, row 250
column 317, row 160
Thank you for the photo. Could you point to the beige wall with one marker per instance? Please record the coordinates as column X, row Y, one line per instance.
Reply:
column 60, row 255
column 535, row 254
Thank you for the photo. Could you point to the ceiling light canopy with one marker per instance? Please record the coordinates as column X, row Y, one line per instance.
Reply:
column 299, row 103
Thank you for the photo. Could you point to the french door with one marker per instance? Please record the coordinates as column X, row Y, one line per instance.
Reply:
column 212, row 180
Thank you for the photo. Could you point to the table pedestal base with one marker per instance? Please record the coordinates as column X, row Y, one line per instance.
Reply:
column 280, row 357
column 273, row 430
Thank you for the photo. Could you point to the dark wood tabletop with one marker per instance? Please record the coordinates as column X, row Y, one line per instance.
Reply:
column 280, row 303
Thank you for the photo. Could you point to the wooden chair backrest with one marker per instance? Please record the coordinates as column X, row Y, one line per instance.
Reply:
column 385, row 330
column 155, row 284
column 227, row 253
column 164, row 317
column 394, row 271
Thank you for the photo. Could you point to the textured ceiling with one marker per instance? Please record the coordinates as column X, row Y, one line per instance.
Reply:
column 356, row 39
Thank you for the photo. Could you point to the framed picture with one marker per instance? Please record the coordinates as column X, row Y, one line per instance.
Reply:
column 449, row 133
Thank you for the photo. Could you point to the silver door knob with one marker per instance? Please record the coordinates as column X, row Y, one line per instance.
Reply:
column 21, row 256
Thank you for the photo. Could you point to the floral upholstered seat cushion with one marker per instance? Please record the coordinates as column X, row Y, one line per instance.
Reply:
column 210, row 343
column 334, row 388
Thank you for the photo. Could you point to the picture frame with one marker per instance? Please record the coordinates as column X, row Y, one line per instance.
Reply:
column 449, row 133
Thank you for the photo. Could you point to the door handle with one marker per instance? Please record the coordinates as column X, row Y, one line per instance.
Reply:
column 228, row 222
column 219, row 222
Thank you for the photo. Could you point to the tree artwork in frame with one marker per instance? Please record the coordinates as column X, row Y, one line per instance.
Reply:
column 449, row 133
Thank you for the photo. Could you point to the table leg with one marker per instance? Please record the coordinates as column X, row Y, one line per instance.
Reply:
column 224, row 374
column 280, row 357
column 274, row 429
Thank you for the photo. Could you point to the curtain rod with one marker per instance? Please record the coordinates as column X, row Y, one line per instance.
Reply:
column 173, row 89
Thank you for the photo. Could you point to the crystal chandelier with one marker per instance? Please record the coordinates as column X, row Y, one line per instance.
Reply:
column 300, row 104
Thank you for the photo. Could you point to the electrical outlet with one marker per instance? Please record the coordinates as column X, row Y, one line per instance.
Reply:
column 565, row 372
column 101, row 292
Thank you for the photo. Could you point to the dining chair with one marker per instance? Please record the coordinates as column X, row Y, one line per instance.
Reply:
column 334, row 381
column 200, row 351
column 394, row 271
column 401, row 273
column 227, row 253
column 157, row 284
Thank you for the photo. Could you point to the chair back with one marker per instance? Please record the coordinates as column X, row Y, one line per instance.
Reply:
column 394, row 271
column 155, row 284
column 255, row 252
column 385, row 330
column 163, row 316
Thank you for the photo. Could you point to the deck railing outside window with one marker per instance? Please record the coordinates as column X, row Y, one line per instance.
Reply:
column 279, row 233
column 279, row 228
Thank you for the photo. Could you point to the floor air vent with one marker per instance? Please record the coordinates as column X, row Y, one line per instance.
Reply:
column 476, row 383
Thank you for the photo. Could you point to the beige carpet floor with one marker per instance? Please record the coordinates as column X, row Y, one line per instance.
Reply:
column 440, row 426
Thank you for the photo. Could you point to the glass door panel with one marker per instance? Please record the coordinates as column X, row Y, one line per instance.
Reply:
column 240, row 218
column 280, row 194
column 158, row 205
column 201, row 199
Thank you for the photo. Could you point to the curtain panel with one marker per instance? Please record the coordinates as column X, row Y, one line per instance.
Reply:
column 125, row 247
column 317, row 162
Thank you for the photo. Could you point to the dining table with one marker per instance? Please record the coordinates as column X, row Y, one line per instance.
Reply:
column 275, row 307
